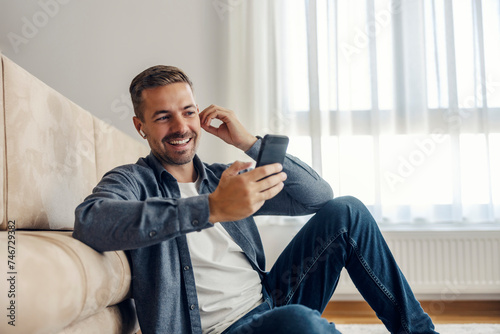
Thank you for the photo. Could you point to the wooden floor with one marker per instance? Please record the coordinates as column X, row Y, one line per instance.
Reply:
column 456, row 312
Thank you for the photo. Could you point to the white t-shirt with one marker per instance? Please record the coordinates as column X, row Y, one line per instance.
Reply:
column 227, row 285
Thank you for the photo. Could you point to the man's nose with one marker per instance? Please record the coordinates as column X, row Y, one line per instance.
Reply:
column 180, row 125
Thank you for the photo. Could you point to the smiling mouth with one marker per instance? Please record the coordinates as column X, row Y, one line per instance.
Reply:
column 179, row 142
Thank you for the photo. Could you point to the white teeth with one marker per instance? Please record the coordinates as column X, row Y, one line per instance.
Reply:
column 179, row 142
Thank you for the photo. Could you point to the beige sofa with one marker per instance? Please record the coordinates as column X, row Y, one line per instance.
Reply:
column 52, row 153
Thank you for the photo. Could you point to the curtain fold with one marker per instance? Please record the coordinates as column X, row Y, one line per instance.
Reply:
column 396, row 102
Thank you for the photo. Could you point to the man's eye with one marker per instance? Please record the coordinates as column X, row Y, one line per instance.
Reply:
column 162, row 118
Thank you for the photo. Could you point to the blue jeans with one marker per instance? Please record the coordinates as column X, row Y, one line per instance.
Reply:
column 300, row 284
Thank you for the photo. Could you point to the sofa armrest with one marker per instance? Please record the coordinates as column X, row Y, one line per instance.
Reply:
column 58, row 280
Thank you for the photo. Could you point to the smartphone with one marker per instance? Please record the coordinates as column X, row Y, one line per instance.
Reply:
column 273, row 150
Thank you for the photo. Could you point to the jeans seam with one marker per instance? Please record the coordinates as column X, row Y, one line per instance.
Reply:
column 304, row 274
column 378, row 283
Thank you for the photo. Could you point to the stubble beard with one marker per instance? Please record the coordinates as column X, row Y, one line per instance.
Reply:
column 179, row 158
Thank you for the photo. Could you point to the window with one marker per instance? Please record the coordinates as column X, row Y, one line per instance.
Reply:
column 395, row 102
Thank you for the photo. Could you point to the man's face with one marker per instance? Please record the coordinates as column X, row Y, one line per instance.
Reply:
column 171, row 123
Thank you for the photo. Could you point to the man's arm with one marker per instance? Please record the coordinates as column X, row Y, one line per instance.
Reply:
column 304, row 192
column 120, row 215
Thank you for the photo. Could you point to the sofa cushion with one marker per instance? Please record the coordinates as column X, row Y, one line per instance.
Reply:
column 50, row 152
column 117, row 319
column 59, row 280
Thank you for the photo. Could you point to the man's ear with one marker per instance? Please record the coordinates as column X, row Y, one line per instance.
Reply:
column 138, row 126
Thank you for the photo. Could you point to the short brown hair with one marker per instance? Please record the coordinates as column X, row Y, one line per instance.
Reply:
column 155, row 76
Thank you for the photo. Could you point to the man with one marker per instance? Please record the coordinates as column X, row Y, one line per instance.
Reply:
column 196, row 255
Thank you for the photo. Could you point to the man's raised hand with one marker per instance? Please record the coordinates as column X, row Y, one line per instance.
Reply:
column 240, row 195
column 231, row 130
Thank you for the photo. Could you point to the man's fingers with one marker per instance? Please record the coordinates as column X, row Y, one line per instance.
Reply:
column 231, row 130
column 206, row 117
column 267, row 170
column 237, row 167
column 273, row 191
column 210, row 129
column 271, row 181
column 211, row 112
column 240, row 195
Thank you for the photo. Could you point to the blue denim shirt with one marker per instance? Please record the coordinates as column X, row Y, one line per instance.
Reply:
column 137, row 208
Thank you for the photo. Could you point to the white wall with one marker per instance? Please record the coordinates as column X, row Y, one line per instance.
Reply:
column 90, row 50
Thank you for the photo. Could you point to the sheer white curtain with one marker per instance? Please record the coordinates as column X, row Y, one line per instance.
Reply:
column 395, row 102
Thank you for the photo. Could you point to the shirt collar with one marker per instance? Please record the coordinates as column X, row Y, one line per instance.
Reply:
column 159, row 170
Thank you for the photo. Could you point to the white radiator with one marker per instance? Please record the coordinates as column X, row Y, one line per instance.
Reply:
column 439, row 265
column 443, row 265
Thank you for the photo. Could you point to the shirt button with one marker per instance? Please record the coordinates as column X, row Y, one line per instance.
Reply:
column 152, row 233
column 186, row 267
column 192, row 307
column 195, row 222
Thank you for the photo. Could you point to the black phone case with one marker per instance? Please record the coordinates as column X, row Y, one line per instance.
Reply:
column 273, row 150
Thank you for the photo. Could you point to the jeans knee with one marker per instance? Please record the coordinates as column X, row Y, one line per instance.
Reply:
column 296, row 319
column 351, row 202
column 350, row 208
column 346, row 204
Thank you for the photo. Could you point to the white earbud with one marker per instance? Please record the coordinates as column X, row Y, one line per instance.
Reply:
column 142, row 134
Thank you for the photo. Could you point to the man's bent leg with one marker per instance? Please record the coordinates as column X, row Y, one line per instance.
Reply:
column 344, row 234
column 289, row 319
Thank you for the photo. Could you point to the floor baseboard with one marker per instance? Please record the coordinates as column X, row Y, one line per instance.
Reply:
column 441, row 312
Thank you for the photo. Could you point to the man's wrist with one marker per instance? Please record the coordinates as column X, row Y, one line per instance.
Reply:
column 212, row 217
column 248, row 143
